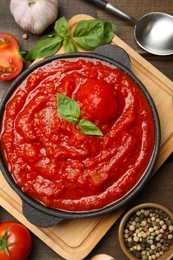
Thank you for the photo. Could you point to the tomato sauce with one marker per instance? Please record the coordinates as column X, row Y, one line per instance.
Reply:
column 52, row 160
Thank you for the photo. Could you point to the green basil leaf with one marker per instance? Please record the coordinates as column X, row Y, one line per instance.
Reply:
column 89, row 128
column 69, row 46
column 46, row 46
column 68, row 108
column 89, row 34
column 62, row 28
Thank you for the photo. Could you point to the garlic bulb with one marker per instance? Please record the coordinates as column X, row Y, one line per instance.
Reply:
column 102, row 257
column 34, row 15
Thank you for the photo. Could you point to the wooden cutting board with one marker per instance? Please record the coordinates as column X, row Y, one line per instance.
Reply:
column 74, row 239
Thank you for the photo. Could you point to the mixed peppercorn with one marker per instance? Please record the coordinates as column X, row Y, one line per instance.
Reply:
column 148, row 233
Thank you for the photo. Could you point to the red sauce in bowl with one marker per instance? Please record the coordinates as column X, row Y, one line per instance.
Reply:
column 52, row 160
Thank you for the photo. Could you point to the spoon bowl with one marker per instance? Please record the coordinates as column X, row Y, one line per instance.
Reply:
column 153, row 32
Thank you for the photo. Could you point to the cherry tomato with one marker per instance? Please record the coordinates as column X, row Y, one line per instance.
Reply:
column 11, row 63
column 15, row 241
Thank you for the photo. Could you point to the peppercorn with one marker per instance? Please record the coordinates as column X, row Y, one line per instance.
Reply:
column 25, row 36
column 148, row 233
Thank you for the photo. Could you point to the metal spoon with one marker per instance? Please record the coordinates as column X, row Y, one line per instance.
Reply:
column 153, row 32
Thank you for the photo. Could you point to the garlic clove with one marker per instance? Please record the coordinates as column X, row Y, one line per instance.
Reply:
column 102, row 257
column 34, row 15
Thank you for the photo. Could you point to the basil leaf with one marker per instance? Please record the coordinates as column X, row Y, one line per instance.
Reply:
column 68, row 108
column 90, row 34
column 46, row 46
column 62, row 28
column 89, row 128
column 69, row 46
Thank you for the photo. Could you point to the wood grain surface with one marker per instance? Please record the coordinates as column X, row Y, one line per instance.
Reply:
column 159, row 189
column 76, row 238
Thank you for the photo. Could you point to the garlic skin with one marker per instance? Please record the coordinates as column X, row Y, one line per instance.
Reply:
column 34, row 15
column 102, row 257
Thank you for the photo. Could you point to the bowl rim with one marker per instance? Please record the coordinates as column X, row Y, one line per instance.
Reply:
column 129, row 213
column 117, row 204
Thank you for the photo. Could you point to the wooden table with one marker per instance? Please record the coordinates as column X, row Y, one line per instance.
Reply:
column 160, row 187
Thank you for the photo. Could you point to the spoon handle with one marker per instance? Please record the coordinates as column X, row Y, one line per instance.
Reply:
column 103, row 4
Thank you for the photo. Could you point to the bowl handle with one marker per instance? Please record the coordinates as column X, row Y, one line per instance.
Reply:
column 38, row 218
column 114, row 52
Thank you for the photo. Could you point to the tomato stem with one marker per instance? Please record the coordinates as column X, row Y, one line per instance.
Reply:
column 3, row 242
column 22, row 54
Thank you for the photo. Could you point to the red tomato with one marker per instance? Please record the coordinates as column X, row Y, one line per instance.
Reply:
column 11, row 63
column 98, row 100
column 15, row 241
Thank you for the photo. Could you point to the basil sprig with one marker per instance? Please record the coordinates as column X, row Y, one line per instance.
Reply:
column 88, row 35
column 69, row 110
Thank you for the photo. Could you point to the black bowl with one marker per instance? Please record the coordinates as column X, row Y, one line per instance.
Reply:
column 36, row 212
